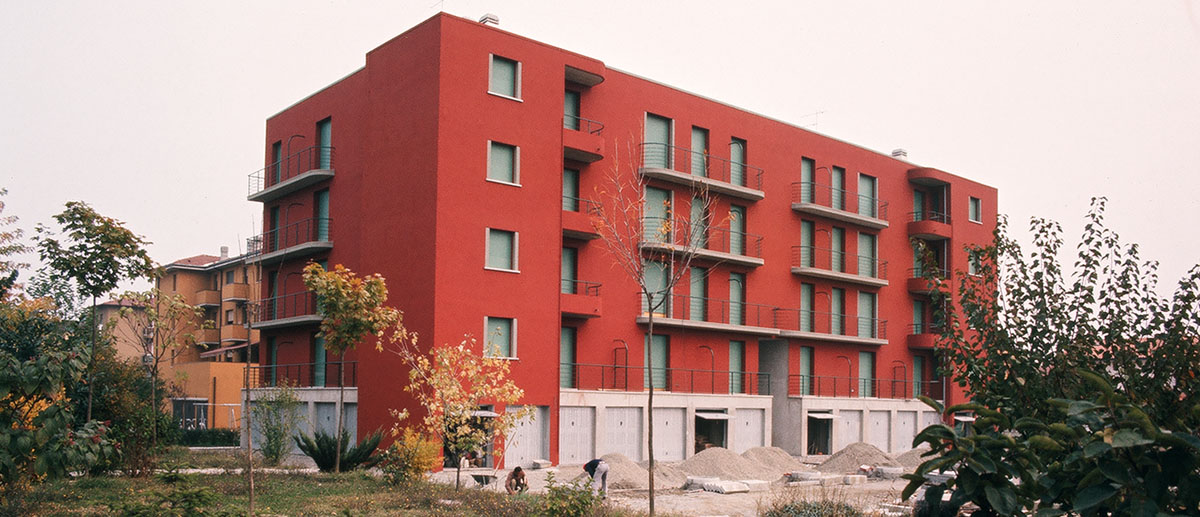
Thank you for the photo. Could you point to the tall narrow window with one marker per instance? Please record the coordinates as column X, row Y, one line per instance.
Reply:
column 866, row 374
column 570, row 190
column 276, row 163
column 737, row 161
column 699, row 223
column 571, row 110
column 919, row 326
column 973, row 262
column 656, row 148
column 918, row 205
column 867, row 252
column 806, row 307
column 867, row 194
column 657, row 349
column 656, row 284
column 568, row 377
column 325, row 144
column 699, row 152
column 501, row 336
column 656, row 212
column 975, row 207
column 503, row 163
column 570, row 265
column 808, row 182
column 807, row 252
column 837, row 255
column 272, row 243
column 837, row 310
column 505, row 77
column 737, row 365
column 918, row 376
column 321, row 212
column 837, row 180
column 318, row 353
column 698, row 302
column 737, row 299
column 737, row 230
column 867, row 323
column 806, row 370
column 501, row 250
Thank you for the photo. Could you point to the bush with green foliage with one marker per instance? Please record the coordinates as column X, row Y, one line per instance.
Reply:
column 182, row 500
column 409, row 458
column 323, row 450
column 209, row 438
column 572, row 499
column 275, row 415
column 822, row 508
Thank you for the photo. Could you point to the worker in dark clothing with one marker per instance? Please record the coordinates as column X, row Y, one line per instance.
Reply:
column 598, row 470
column 516, row 484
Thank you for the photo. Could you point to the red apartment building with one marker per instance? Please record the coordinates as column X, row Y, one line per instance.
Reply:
column 459, row 163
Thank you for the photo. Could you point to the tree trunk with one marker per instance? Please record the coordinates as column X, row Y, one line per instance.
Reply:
column 650, row 400
column 458, row 475
column 154, row 406
column 92, row 359
column 337, row 463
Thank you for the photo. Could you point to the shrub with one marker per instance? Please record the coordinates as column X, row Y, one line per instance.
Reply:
column 808, row 503
column 323, row 451
column 275, row 416
column 183, row 500
column 209, row 438
column 409, row 458
column 572, row 499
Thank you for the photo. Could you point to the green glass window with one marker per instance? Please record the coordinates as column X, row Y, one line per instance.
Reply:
column 658, row 206
column 737, row 299
column 321, row 200
column 866, row 315
column 656, row 282
column 571, row 110
column 657, row 349
column 867, row 195
column 807, row 179
column 866, row 374
column 737, row 366
column 975, row 206
column 918, row 376
column 806, row 307
column 807, row 253
column 737, row 161
column 566, row 358
column 505, row 77
column 837, row 254
column 918, row 205
column 501, row 249
column 325, row 144
column 501, row 337
column 837, row 308
column 570, row 265
column 737, row 230
column 502, row 163
column 806, row 370
column 698, row 301
column 699, row 152
column 919, row 317
column 276, row 163
column 318, row 352
column 837, row 179
column 867, row 252
column 657, row 149
column 272, row 243
column 699, row 223
column 570, row 190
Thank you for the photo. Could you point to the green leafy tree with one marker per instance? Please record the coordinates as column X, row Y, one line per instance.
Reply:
column 10, row 244
column 352, row 309
column 276, row 416
column 96, row 251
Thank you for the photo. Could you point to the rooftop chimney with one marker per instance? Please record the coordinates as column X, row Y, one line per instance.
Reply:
column 490, row 18
column 224, row 252
column 900, row 154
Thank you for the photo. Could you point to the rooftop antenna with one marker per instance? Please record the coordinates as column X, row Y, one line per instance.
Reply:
column 490, row 18
column 816, row 115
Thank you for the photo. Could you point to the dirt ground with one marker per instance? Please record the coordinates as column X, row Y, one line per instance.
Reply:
column 865, row 496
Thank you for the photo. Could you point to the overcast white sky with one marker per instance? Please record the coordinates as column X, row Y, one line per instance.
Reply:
column 154, row 112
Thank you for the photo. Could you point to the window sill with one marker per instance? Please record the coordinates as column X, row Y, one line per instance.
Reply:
column 503, row 96
column 501, row 270
column 506, row 358
column 974, row 221
column 502, row 182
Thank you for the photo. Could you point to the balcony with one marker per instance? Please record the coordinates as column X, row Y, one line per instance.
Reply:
column 303, row 375
column 923, row 336
column 831, row 265
column 695, row 312
column 700, row 170
column 577, row 218
column 234, row 333
column 582, row 140
column 579, row 299
column 715, row 244
column 918, row 284
column 286, row 311
column 824, row 326
column 208, row 298
column 299, row 239
column 928, row 176
column 857, row 387
column 610, row 377
column 835, row 203
column 208, row 337
column 236, row 292
column 303, row 169
column 929, row 225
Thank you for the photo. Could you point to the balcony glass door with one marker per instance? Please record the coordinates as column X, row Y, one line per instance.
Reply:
column 699, row 152
column 866, row 374
column 918, row 375
column 570, row 265
column 806, row 370
column 325, row 144
column 656, row 212
column 737, row 363
column 697, row 306
column 322, row 212
column 737, row 230
column 737, row 161
column 570, row 190
column 737, row 299
column 566, row 358
column 318, row 380
column 571, row 110
column 867, row 202
column 657, row 349
column 699, row 224
column 657, row 148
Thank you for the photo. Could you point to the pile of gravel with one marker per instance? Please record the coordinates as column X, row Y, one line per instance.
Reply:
column 723, row 463
column 855, row 455
column 912, row 459
column 666, row 475
column 773, row 458
column 623, row 473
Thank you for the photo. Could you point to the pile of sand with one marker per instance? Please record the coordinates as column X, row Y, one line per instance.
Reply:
column 773, row 458
column 623, row 473
column 912, row 459
column 855, row 455
column 723, row 463
column 666, row 475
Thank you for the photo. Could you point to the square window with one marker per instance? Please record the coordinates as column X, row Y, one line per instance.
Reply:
column 503, row 160
column 975, row 210
column 501, row 250
column 505, row 77
column 500, row 336
column 229, row 276
column 229, row 317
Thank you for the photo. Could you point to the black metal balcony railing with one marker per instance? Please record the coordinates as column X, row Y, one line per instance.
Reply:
column 680, row 380
column 924, row 328
column 838, row 199
column 580, row 287
column 317, row 229
column 929, row 215
column 302, row 375
column 310, row 158
column 582, row 124
column 700, row 164
column 835, row 260
column 837, row 324
column 829, row 386
column 662, row 230
column 939, row 272
column 286, row 306
column 712, row 310
column 578, row 204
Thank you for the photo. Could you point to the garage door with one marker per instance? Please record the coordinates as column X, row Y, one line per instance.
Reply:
column 748, row 429
column 880, row 427
column 623, row 432
column 849, row 428
column 529, row 440
column 669, row 431
column 906, row 430
column 576, row 435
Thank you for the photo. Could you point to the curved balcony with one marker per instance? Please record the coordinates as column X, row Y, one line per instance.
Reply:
column 302, row 169
column 929, row 225
column 838, row 204
column 701, row 170
column 286, row 311
column 929, row 176
column 580, row 299
column 717, row 244
column 923, row 336
column 299, row 239
column 582, row 139
column 918, row 284
column 577, row 218
column 839, row 266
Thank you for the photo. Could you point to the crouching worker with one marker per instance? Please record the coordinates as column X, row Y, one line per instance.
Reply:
column 598, row 470
column 516, row 484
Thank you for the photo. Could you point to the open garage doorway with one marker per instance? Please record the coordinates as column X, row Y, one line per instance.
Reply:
column 711, row 429
column 820, row 433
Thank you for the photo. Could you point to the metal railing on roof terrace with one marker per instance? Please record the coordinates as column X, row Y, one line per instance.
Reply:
column 600, row 377
column 929, row 215
column 578, row 204
column 582, row 124
column 285, row 306
column 835, row 324
column 918, row 272
column 316, row 229
column 712, row 310
column 835, row 260
column 832, row 386
column 658, row 230
column 302, row 375
column 701, row 164
column 838, row 199
column 924, row 328
column 310, row 158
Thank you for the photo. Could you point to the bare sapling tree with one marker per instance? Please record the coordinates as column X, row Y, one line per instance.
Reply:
column 654, row 243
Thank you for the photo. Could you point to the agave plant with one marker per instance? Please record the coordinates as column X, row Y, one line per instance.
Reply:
column 323, row 451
